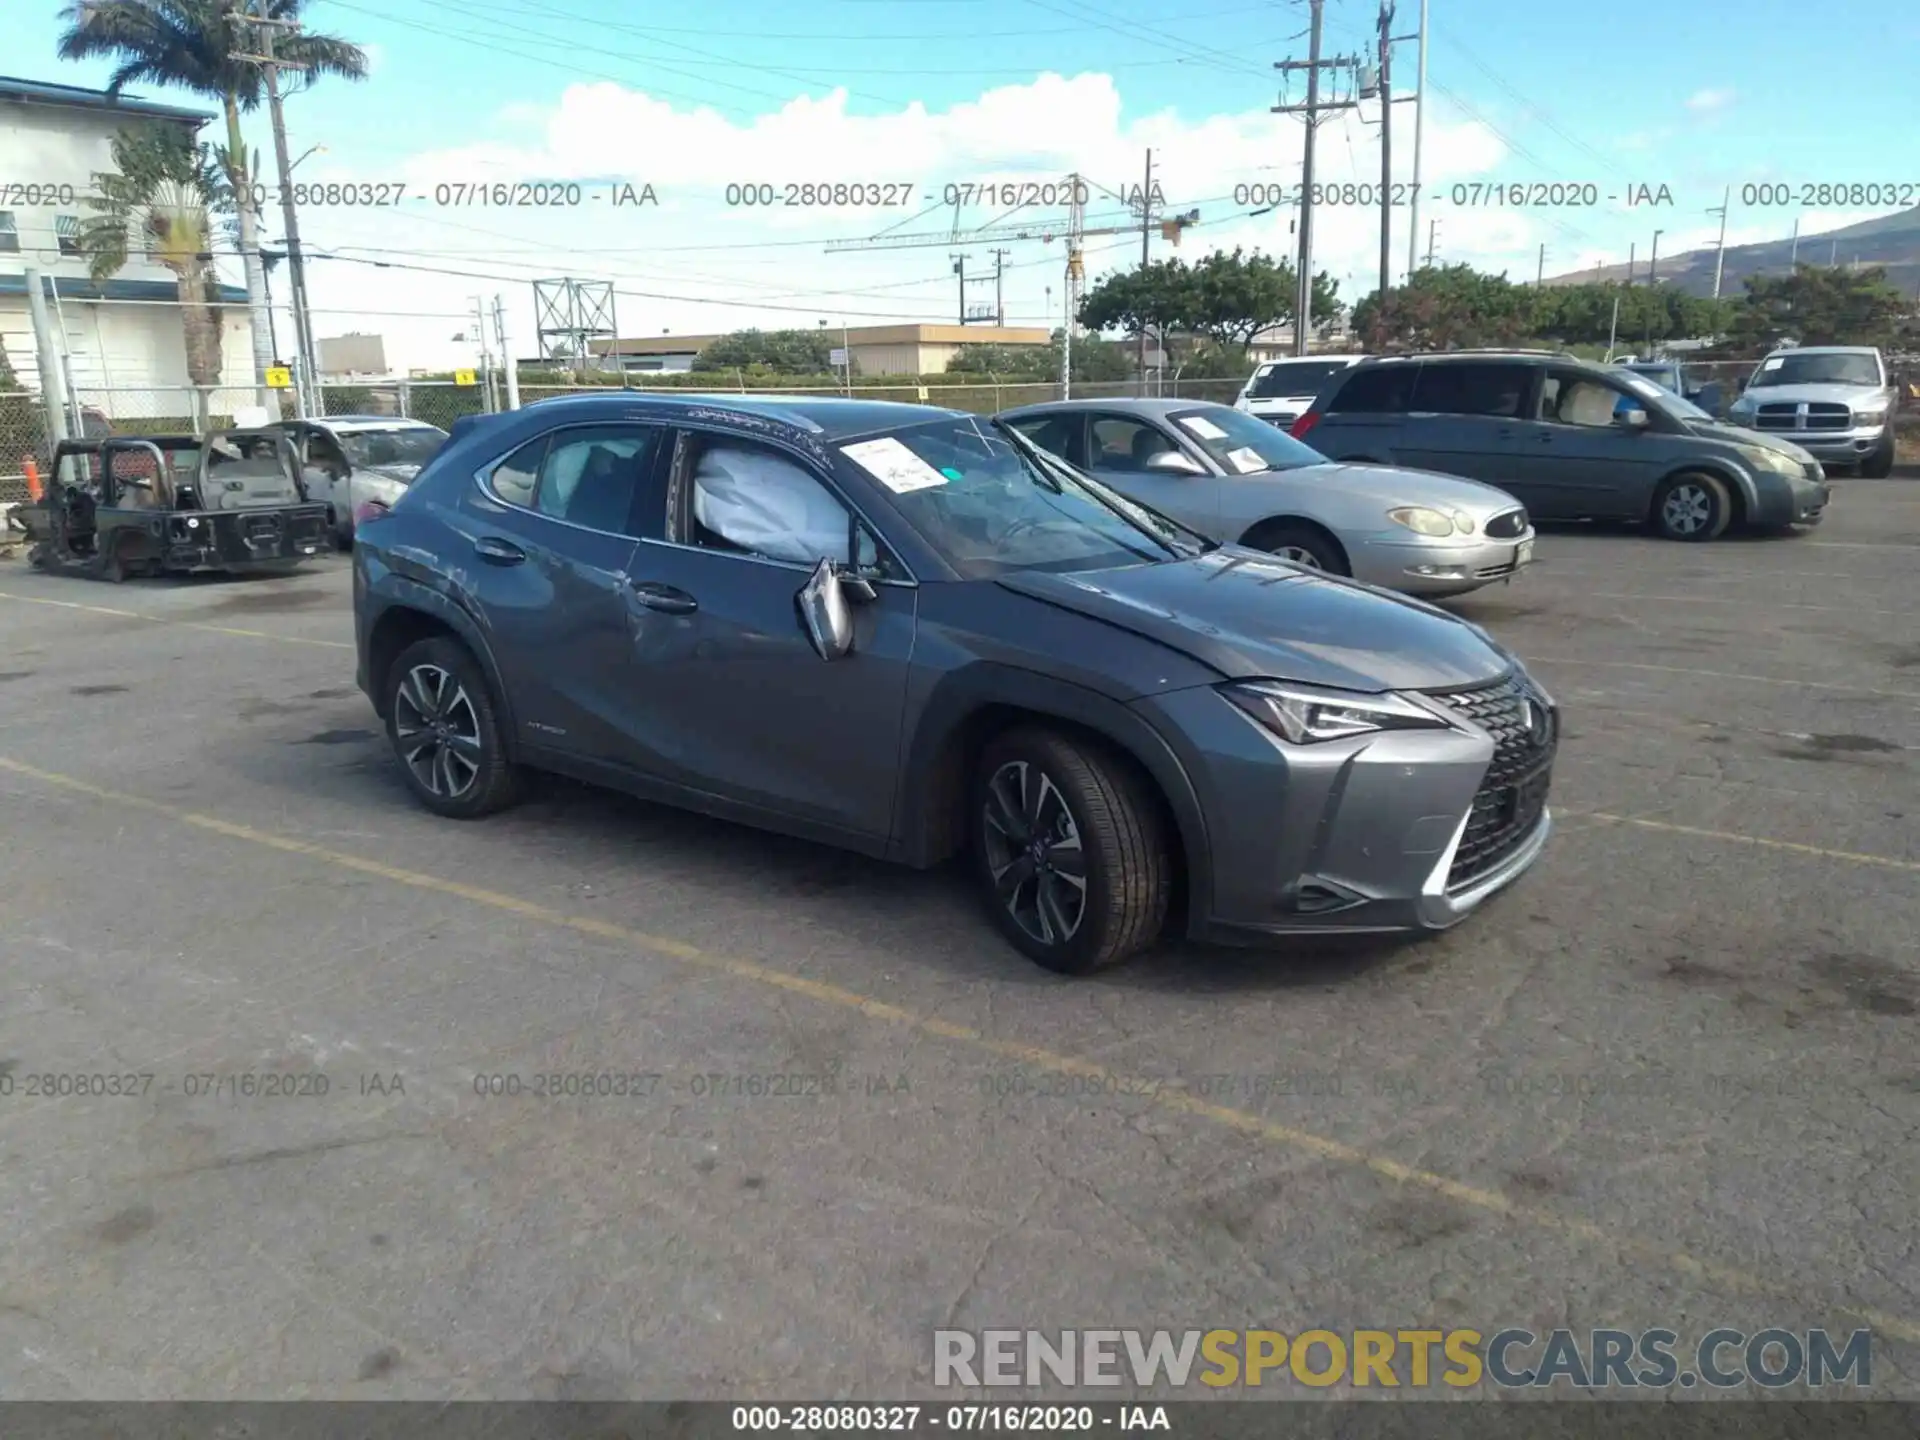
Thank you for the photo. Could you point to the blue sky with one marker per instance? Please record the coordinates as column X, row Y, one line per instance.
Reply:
column 691, row 96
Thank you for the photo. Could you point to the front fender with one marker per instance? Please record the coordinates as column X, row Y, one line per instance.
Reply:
column 1737, row 478
column 930, row 809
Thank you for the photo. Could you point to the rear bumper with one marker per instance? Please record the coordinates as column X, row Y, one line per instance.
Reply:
column 238, row 539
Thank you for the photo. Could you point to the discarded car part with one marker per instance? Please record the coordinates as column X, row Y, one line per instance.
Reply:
column 173, row 504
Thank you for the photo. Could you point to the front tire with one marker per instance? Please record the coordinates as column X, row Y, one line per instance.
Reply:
column 1879, row 465
column 444, row 731
column 1070, row 851
column 1693, row 507
column 1301, row 545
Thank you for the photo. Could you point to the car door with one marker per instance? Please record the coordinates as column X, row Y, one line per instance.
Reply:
column 553, row 526
column 317, row 455
column 1470, row 418
column 722, row 689
column 1587, row 465
column 1118, row 448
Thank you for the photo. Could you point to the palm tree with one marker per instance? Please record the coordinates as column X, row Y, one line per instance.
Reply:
column 201, row 45
column 163, row 192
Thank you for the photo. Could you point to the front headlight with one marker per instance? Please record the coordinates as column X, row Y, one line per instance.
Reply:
column 1422, row 521
column 1771, row 460
column 1870, row 417
column 1463, row 522
column 1304, row 714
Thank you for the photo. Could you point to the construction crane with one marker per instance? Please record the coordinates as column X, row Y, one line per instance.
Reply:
column 1072, row 228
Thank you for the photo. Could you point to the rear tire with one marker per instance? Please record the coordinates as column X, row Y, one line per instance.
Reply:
column 1302, row 545
column 1694, row 507
column 444, row 731
column 1070, row 851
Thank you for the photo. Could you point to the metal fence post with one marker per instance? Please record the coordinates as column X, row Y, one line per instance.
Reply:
column 406, row 400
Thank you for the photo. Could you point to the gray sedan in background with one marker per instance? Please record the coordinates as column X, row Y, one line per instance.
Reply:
column 1239, row 480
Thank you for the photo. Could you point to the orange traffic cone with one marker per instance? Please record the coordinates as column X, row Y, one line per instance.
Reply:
column 33, row 480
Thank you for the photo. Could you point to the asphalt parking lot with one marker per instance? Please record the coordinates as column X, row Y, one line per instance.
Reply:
column 1669, row 1079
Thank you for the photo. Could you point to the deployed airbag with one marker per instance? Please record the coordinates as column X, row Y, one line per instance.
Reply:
column 763, row 503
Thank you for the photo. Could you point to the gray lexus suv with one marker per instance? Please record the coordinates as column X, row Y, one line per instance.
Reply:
column 1569, row 439
column 909, row 632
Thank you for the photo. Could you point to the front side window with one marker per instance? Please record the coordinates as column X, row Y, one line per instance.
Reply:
column 1241, row 444
column 1472, row 388
column 988, row 506
column 1376, row 390
column 1125, row 445
column 755, row 501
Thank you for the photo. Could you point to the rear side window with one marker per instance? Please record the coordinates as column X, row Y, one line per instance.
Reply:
column 513, row 478
column 1375, row 390
column 1473, row 388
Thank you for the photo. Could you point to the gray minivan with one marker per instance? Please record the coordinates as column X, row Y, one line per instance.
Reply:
column 1569, row 439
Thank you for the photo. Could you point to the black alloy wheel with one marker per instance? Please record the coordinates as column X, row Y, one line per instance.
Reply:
column 1070, row 851
column 440, row 721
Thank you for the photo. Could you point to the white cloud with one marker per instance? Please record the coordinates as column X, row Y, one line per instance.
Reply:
column 693, row 247
column 1704, row 101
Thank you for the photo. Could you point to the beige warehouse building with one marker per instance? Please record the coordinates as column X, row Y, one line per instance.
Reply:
column 877, row 349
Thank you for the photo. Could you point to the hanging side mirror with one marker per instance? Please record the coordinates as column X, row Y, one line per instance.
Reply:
column 825, row 613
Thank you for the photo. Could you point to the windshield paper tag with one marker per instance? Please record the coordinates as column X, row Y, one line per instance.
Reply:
column 1203, row 427
column 893, row 465
column 1247, row 459
column 1774, row 364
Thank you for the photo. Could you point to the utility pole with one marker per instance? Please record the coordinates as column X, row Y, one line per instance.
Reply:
column 1433, row 235
column 1793, row 255
column 1386, row 147
column 999, row 290
column 1653, row 259
column 1540, row 268
column 1833, row 254
column 240, row 172
column 1633, row 251
column 290, row 220
column 507, row 364
column 1720, row 251
column 960, row 269
column 1313, row 65
column 1146, row 218
column 1419, row 128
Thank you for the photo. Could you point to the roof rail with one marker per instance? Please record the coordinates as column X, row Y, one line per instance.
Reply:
column 1469, row 350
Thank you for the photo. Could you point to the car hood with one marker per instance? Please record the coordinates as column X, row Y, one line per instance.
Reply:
column 1852, row 395
column 1395, row 485
column 1249, row 615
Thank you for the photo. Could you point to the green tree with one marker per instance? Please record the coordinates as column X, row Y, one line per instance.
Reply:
column 161, row 196
column 1236, row 296
column 1007, row 362
column 775, row 352
column 197, row 45
column 1446, row 307
column 1821, row 305
column 1156, row 300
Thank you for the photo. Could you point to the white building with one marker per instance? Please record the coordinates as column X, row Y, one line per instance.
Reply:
column 123, row 343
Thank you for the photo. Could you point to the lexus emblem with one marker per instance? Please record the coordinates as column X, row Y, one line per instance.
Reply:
column 1539, row 723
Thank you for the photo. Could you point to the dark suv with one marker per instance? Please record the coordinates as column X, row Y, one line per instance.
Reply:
column 909, row 632
column 1569, row 439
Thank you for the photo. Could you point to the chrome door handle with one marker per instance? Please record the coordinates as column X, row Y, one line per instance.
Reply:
column 665, row 598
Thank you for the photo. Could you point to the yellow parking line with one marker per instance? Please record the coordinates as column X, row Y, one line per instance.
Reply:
column 1722, row 675
column 1854, row 857
column 1491, row 1202
column 183, row 624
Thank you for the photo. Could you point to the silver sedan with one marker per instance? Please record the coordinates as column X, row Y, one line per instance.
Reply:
column 1238, row 479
